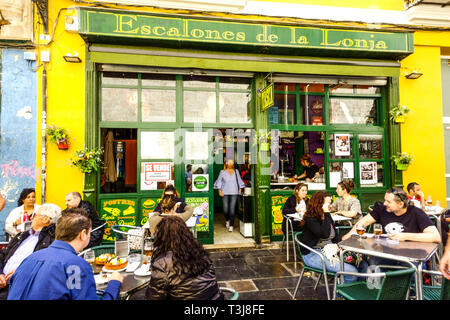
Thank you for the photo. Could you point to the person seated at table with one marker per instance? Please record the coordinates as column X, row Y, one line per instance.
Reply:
column 40, row 236
column 398, row 213
column 25, row 204
column 318, row 231
column 181, row 268
column 415, row 194
column 295, row 204
column 169, row 206
column 346, row 204
column 73, row 200
column 310, row 168
column 57, row 272
column 171, row 190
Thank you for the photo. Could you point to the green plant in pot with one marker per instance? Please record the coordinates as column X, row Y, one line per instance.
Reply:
column 60, row 136
column 402, row 160
column 88, row 160
column 398, row 113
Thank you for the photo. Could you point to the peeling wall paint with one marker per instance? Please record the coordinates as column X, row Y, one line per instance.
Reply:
column 18, row 129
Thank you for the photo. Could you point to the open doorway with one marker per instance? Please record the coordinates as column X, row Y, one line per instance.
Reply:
column 233, row 144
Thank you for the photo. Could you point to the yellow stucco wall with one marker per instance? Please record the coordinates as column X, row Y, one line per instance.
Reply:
column 422, row 133
column 65, row 108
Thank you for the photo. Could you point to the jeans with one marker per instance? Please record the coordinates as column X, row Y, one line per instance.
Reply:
column 313, row 260
column 229, row 207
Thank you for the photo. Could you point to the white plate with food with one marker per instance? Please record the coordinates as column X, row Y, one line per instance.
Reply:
column 118, row 270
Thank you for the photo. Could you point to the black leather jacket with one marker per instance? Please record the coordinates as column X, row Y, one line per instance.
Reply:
column 46, row 237
column 167, row 284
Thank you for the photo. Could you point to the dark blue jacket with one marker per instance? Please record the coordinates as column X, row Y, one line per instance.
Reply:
column 57, row 273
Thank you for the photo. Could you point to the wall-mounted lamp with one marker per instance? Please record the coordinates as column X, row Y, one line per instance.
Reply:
column 73, row 59
column 413, row 75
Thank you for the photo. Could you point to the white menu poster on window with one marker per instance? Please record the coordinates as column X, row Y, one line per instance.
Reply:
column 157, row 145
column 335, row 178
column 347, row 170
column 368, row 172
column 196, row 145
column 341, row 144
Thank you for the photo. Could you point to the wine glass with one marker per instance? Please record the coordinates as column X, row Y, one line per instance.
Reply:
column 89, row 256
column 360, row 230
column 378, row 230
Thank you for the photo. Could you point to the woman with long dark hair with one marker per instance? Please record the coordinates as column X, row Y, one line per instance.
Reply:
column 318, row 231
column 181, row 268
column 26, row 205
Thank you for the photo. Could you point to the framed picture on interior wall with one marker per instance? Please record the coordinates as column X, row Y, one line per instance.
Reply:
column 342, row 144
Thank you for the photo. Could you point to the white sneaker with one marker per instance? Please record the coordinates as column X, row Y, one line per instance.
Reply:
column 230, row 229
column 227, row 224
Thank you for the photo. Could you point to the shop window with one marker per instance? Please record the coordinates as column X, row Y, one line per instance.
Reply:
column 371, row 174
column 284, row 110
column 341, row 145
column 286, row 87
column 353, row 111
column 300, row 157
column 158, row 80
column 196, row 145
column 119, row 104
column 313, row 112
column 199, row 106
column 370, row 146
column 312, row 88
column 197, row 178
column 235, row 107
column 200, row 82
column 157, row 145
column 159, row 105
column 120, row 160
column 339, row 171
column 233, row 83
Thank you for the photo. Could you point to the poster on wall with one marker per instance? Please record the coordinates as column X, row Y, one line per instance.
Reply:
column 368, row 172
column 342, row 144
column 277, row 215
column 154, row 172
column 201, row 211
column 148, row 205
column 117, row 212
column 347, row 170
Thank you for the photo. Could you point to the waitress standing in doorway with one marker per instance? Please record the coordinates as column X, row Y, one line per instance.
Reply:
column 230, row 185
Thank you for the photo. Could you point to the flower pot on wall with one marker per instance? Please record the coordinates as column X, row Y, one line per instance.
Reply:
column 63, row 145
column 402, row 166
column 400, row 119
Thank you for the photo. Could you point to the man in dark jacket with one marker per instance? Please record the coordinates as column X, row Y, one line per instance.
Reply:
column 73, row 200
column 40, row 236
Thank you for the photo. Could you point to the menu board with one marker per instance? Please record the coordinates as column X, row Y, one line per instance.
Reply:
column 277, row 216
column 197, row 203
column 117, row 212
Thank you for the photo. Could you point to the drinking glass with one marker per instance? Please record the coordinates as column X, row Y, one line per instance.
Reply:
column 360, row 229
column 429, row 200
column 378, row 230
column 89, row 256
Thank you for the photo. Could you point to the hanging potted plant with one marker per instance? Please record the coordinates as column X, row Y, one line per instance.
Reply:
column 402, row 160
column 88, row 160
column 398, row 113
column 59, row 136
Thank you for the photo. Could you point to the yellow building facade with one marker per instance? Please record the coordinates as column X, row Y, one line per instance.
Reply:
column 67, row 92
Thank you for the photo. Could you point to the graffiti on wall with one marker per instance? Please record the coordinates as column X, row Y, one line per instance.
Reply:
column 13, row 169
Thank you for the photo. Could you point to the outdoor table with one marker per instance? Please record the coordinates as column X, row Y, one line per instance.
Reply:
column 131, row 283
column 296, row 217
column 190, row 223
column 404, row 251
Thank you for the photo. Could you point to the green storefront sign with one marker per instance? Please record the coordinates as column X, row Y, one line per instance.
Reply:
column 152, row 27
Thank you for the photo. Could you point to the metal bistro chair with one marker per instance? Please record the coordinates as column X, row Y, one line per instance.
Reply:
column 394, row 285
column 121, row 233
column 441, row 292
column 286, row 238
column 321, row 272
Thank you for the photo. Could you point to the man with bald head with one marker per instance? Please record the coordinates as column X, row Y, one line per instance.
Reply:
column 73, row 200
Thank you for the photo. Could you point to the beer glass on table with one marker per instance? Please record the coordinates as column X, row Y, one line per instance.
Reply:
column 360, row 230
column 89, row 256
column 377, row 230
column 429, row 200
